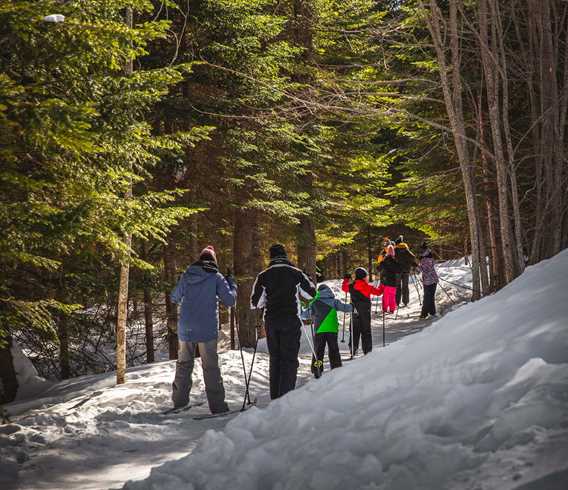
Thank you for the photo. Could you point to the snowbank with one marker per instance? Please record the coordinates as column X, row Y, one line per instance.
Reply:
column 30, row 384
column 477, row 401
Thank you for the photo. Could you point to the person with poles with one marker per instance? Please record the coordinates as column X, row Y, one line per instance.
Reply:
column 389, row 270
column 407, row 261
column 429, row 280
column 277, row 290
column 361, row 291
column 198, row 290
column 323, row 310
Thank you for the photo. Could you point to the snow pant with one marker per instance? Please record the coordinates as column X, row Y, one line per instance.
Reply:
column 321, row 340
column 429, row 303
column 361, row 328
column 389, row 299
column 211, row 374
column 402, row 291
column 283, row 339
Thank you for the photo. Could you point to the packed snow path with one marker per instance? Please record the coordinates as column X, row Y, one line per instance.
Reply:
column 86, row 433
column 478, row 401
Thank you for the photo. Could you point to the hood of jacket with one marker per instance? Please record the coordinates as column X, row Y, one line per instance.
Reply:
column 325, row 292
column 200, row 271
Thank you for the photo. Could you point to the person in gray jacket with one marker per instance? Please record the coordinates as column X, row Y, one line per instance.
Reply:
column 198, row 291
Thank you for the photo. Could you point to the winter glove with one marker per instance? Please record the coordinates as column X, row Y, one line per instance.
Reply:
column 229, row 277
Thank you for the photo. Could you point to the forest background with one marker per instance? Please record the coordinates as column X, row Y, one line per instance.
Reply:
column 134, row 133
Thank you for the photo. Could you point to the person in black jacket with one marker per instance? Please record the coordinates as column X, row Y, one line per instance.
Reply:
column 407, row 260
column 390, row 270
column 277, row 290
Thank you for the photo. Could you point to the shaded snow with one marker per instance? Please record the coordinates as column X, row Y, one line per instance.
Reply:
column 477, row 401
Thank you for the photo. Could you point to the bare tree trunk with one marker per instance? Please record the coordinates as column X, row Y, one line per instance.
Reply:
column 246, row 261
column 8, row 376
column 491, row 73
column 148, row 309
column 452, row 91
column 303, row 26
column 346, row 264
column 149, row 324
column 122, row 309
column 171, row 308
column 306, row 246
column 501, row 55
column 63, row 337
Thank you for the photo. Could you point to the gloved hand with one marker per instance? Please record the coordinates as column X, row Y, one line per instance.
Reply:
column 229, row 277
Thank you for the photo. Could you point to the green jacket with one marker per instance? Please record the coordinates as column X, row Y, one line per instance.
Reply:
column 323, row 309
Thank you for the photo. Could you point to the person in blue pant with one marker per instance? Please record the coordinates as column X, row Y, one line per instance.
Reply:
column 198, row 291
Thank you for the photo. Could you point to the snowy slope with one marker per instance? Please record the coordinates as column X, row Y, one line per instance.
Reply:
column 477, row 401
column 88, row 433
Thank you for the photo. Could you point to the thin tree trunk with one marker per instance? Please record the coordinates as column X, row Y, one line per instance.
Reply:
column 515, row 202
column 63, row 337
column 452, row 91
column 149, row 324
column 8, row 376
column 122, row 308
column 246, row 261
column 490, row 72
column 171, row 308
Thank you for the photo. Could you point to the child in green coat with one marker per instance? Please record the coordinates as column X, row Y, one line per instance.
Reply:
column 323, row 309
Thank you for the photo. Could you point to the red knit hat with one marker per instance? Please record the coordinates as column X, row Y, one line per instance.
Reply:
column 208, row 253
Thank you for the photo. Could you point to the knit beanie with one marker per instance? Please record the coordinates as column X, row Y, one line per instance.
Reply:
column 277, row 250
column 361, row 273
column 208, row 253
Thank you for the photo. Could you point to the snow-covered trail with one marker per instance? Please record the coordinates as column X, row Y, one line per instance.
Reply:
column 87, row 433
column 476, row 402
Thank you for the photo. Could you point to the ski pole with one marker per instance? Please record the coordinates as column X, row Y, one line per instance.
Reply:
column 384, row 334
column 351, row 335
column 247, row 381
column 238, row 331
column 343, row 330
column 377, row 299
column 415, row 282
column 456, row 285
column 447, row 294
column 309, row 342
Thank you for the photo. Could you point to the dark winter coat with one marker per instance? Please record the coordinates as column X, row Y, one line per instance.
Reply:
column 198, row 290
column 405, row 257
column 360, row 292
column 278, row 289
column 389, row 269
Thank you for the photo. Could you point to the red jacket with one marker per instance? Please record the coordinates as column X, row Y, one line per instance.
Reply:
column 363, row 287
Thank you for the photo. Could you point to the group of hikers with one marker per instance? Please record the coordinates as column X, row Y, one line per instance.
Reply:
column 288, row 296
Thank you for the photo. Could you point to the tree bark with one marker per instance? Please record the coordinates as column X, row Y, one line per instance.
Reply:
column 171, row 308
column 452, row 91
column 149, row 324
column 302, row 31
column 491, row 72
column 246, row 262
column 63, row 337
column 122, row 307
column 8, row 377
